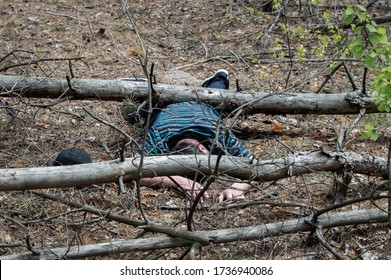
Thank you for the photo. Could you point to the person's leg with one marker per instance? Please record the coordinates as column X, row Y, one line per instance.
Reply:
column 218, row 80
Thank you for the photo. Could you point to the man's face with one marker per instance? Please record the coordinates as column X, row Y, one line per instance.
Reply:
column 203, row 150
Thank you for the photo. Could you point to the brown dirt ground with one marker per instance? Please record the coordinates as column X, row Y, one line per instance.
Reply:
column 187, row 41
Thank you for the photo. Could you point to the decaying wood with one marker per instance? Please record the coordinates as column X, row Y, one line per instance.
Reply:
column 326, row 220
column 186, row 165
column 228, row 100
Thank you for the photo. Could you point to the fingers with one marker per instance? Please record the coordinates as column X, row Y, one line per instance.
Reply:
column 194, row 193
column 194, row 189
column 221, row 198
column 230, row 194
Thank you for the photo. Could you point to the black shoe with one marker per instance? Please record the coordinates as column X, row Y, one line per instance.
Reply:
column 218, row 80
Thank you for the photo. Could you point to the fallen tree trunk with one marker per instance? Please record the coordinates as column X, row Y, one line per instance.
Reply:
column 228, row 100
column 326, row 220
column 262, row 170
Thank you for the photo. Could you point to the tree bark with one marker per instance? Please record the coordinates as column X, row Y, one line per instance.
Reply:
column 326, row 220
column 227, row 100
column 185, row 165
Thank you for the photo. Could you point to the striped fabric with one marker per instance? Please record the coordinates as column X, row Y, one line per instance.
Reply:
column 191, row 120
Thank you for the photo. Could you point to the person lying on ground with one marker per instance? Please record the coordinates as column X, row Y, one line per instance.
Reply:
column 193, row 128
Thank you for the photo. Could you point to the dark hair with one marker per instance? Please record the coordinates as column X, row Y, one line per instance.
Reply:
column 186, row 148
column 71, row 157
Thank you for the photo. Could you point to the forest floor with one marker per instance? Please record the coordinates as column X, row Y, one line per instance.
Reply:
column 187, row 41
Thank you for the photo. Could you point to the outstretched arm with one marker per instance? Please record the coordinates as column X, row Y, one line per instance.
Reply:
column 189, row 186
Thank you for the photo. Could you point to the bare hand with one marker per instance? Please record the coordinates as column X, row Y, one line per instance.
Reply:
column 235, row 192
column 191, row 187
column 231, row 194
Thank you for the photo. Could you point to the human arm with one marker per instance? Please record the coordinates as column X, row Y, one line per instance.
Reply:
column 191, row 187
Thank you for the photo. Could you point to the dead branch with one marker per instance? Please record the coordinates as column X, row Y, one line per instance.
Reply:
column 259, row 102
column 147, row 226
column 389, row 184
column 327, row 220
column 186, row 165
column 37, row 61
column 319, row 235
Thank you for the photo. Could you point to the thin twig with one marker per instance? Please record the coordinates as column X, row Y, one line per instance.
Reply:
column 351, row 80
column 389, row 184
column 364, row 82
column 37, row 61
column 276, row 20
column 128, row 137
column 328, row 77
column 319, row 235
column 149, row 75
column 349, row 202
column 290, row 59
column 151, row 227
column 210, row 180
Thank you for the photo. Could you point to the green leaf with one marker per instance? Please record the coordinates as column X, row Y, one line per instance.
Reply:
column 381, row 107
column 374, row 136
column 370, row 134
column 381, row 31
column 369, row 61
column 358, row 30
column 358, row 53
column 349, row 10
column 371, row 28
column 349, row 19
column 386, row 73
column 373, row 38
column 357, row 42
column 362, row 8
column 387, row 89
column 383, row 38
column 362, row 15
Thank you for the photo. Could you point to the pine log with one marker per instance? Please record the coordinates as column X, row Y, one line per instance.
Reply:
column 326, row 220
column 186, row 165
column 226, row 100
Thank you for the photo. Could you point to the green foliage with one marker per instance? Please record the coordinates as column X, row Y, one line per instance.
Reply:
column 304, row 37
column 353, row 11
column 375, row 124
column 370, row 43
column 370, row 133
column 382, row 90
column 276, row 4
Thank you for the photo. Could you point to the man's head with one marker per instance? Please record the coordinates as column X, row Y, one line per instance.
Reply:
column 188, row 146
column 71, row 157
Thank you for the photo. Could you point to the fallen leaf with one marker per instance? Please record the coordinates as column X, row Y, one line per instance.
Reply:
column 148, row 193
column 277, row 128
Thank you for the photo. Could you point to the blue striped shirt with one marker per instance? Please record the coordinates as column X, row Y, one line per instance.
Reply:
column 191, row 120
